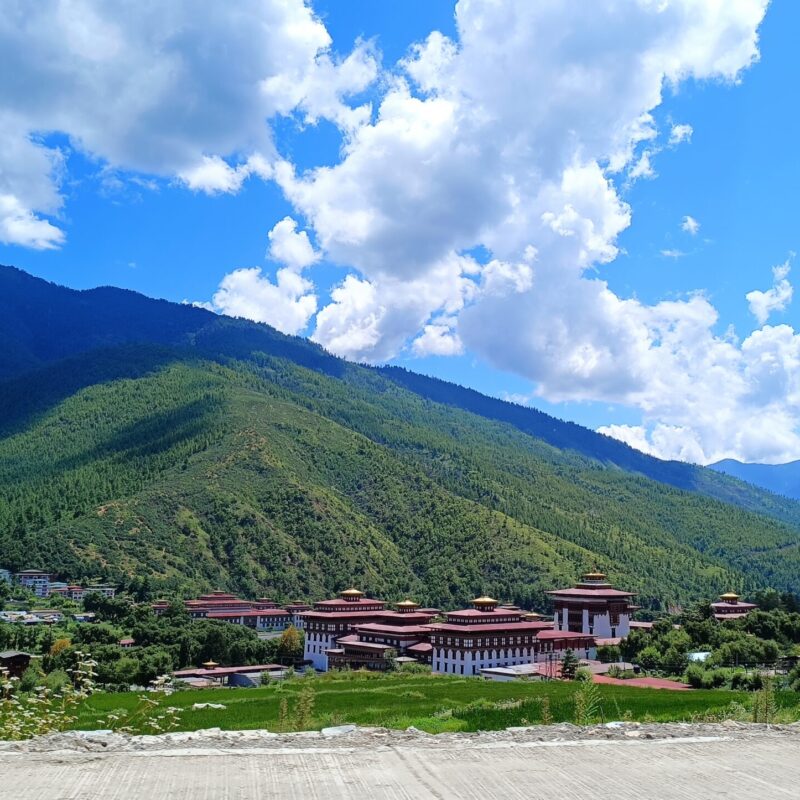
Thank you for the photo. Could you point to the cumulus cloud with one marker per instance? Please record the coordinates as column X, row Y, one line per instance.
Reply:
column 512, row 144
column 289, row 302
column 690, row 225
column 290, row 247
column 438, row 339
column 469, row 207
column 180, row 90
column 762, row 304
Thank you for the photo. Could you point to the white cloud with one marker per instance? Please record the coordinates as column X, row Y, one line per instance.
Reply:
column 179, row 90
column 290, row 247
column 672, row 252
column 438, row 339
column 680, row 133
column 288, row 304
column 762, row 304
column 19, row 225
column 506, row 140
column 690, row 225
column 643, row 168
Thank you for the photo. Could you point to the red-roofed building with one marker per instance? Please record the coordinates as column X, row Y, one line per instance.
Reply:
column 729, row 606
column 594, row 607
column 402, row 631
column 487, row 636
column 262, row 614
column 330, row 620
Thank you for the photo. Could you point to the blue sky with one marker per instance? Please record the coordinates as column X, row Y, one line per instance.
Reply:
column 135, row 220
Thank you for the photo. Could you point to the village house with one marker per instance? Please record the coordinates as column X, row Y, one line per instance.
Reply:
column 36, row 580
column 14, row 662
column 212, row 674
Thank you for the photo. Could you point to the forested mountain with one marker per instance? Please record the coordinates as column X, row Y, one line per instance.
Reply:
column 139, row 437
column 783, row 479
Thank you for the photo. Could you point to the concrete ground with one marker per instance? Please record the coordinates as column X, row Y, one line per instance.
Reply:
column 631, row 762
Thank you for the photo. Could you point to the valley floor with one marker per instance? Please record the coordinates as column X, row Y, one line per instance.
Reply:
column 668, row 762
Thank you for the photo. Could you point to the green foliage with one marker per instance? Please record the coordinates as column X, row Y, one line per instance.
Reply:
column 290, row 644
column 588, row 705
column 608, row 653
column 226, row 455
column 431, row 703
column 569, row 665
column 303, row 717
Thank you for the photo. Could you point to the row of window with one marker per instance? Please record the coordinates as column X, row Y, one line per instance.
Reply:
column 496, row 641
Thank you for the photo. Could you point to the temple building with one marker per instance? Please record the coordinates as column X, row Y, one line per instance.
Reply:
column 401, row 633
column 729, row 606
column 296, row 610
column 594, row 607
column 330, row 620
column 487, row 636
column 263, row 614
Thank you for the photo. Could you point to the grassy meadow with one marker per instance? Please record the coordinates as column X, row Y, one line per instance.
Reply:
column 431, row 703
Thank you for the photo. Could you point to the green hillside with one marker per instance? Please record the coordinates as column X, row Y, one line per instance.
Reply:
column 267, row 477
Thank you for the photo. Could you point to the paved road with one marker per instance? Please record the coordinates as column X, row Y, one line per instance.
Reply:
column 755, row 767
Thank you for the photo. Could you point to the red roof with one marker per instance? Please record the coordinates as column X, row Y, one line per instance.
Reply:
column 552, row 635
column 397, row 630
column 406, row 616
column 420, row 647
column 590, row 593
column 340, row 602
column 738, row 605
column 267, row 612
column 351, row 617
column 220, row 671
column 511, row 627
column 478, row 614
column 355, row 641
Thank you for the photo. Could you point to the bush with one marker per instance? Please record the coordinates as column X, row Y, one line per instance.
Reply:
column 56, row 680
column 583, row 675
column 608, row 653
column 30, row 679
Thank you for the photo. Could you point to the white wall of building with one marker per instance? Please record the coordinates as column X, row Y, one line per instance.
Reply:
column 315, row 646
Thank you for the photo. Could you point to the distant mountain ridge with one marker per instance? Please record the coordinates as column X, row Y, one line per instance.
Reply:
column 782, row 479
column 42, row 322
column 139, row 436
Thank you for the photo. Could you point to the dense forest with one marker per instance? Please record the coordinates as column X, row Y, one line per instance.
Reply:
column 200, row 451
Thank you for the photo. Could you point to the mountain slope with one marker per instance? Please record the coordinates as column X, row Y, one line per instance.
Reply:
column 42, row 323
column 782, row 479
column 231, row 455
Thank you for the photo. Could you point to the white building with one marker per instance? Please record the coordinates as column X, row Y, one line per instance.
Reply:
column 487, row 636
column 593, row 606
column 35, row 580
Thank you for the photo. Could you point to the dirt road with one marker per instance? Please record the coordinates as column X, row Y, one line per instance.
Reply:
column 559, row 762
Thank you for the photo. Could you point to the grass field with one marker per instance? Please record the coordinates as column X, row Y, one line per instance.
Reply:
column 431, row 703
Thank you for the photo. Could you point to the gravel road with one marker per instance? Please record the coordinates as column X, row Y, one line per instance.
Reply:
column 559, row 761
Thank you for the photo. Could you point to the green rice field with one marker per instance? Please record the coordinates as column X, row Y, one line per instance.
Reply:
column 431, row 703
